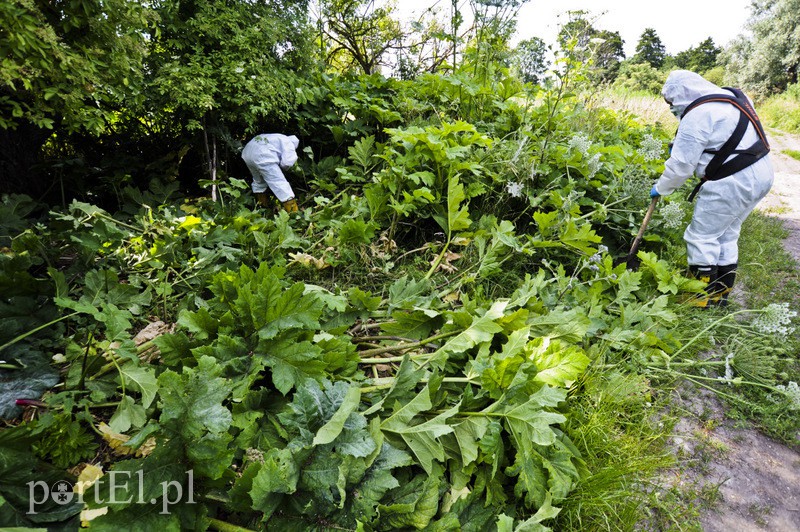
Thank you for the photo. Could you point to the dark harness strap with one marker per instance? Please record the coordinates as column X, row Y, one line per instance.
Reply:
column 720, row 167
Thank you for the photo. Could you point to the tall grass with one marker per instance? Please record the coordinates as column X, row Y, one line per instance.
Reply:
column 782, row 111
column 622, row 437
column 650, row 108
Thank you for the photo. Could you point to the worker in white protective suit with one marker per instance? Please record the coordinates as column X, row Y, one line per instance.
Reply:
column 265, row 156
column 721, row 140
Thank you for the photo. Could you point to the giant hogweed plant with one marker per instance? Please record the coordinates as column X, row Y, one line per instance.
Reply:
column 411, row 407
column 348, row 367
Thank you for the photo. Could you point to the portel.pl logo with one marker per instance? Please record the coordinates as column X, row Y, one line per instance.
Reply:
column 63, row 493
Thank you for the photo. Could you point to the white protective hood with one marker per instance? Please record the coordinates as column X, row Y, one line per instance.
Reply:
column 683, row 87
column 707, row 127
column 289, row 147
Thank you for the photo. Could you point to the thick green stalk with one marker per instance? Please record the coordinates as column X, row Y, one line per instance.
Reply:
column 108, row 367
column 114, row 220
column 382, row 383
column 711, row 326
column 439, row 258
column 37, row 329
column 719, row 380
column 397, row 348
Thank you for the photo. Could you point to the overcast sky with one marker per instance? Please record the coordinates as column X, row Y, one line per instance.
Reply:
column 680, row 24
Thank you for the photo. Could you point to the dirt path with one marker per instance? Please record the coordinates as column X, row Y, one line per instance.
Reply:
column 752, row 482
column 784, row 198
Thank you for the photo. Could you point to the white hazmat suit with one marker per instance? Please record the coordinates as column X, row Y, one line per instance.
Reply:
column 722, row 205
column 265, row 155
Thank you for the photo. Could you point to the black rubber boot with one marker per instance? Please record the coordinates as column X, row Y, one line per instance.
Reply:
column 726, row 277
column 708, row 275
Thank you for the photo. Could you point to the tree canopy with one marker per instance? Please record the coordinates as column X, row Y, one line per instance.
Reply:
column 650, row 49
column 585, row 43
column 768, row 60
column 530, row 59
column 699, row 59
column 58, row 67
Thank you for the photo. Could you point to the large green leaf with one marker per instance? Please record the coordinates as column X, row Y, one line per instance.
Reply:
column 557, row 363
column 292, row 361
column 482, row 329
column 192, row 401
column 288, row 310
column 143, row 379
column 330, row 430
column 412, row 505
column 456, row 217
column 277, row 476
column 422, row 437
column 326, row 415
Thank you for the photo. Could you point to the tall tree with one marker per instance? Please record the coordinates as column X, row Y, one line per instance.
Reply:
column 768, row 60
column 700, row 58
column 427, row 46
column 530, row 59
column 602, row 48
column 219, row 69
column 356, row 34
column 650, row 49
column 608, row 54
column 66, row 66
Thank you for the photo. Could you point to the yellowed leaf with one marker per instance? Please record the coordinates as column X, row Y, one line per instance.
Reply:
column 189, row 222
column 88, row 476
column 87, row 515
column 452, row 297
column 304, row 259
column 117, row 442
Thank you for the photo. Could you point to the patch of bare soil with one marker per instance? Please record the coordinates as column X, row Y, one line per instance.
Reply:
column 783, row 200
column 749, row 481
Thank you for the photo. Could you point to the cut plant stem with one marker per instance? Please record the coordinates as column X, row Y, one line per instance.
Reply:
column 713, row 379
column 388, row 382
column 37, row 329
column 711, row 326
column 146, row 346
column 363, row 339
column 398, row 348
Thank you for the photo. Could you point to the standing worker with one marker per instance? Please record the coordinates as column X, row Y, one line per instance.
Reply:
column 721, row 140
column 265, row 156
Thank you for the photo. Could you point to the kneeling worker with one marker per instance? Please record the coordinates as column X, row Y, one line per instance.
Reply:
column 265, row 156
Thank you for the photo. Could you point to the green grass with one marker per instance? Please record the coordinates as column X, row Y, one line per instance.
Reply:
column 767, row 270
column 794, row 154
column 782, row 111
column 621, row 430
column 769, row 275
column 622, row 424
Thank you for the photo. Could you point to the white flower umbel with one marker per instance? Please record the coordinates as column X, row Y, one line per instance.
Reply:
column 580, row 143
column 651, row 148
column 775, row 319
column 636, row 186
column 792, row 391
column 672, row 215
column 514, row 188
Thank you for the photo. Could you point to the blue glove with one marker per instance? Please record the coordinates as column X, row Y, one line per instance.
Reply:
column 654, row 193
